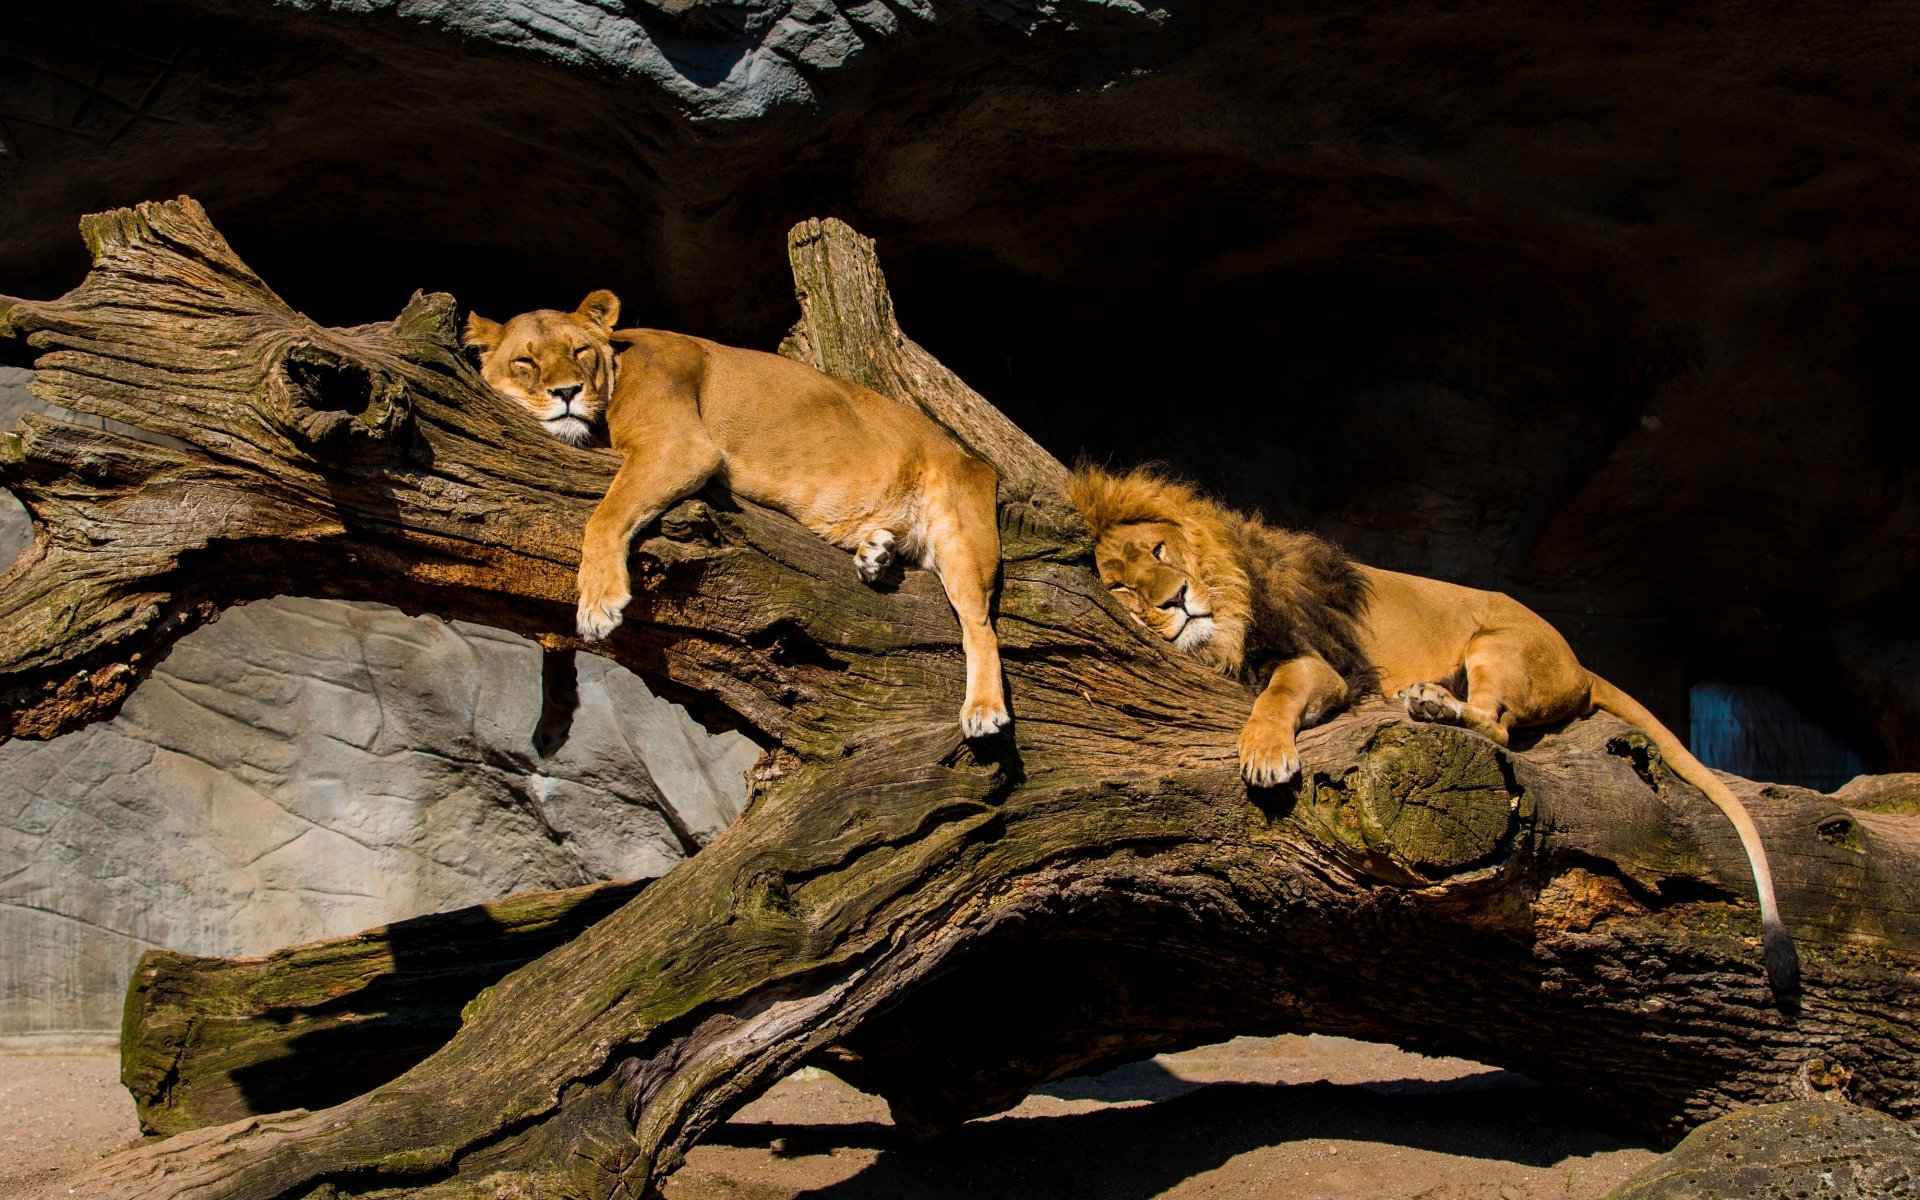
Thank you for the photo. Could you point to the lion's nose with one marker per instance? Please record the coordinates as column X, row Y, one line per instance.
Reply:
column 1179, row 599
column 564, row 394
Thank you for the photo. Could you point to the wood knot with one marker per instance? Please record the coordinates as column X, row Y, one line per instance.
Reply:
column 691, row 521
column 607, row 1163
column 1576, row 900
column 764, row 896
column 1818, row 1078
column 1640, row 754
column 1842, row 831
column 337, row 408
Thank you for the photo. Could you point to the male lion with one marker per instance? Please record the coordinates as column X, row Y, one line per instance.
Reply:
column 860, row 470
column 1249, row 599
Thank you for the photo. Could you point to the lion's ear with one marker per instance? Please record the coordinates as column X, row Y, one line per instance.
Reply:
column 482, row 335
column 600, row 309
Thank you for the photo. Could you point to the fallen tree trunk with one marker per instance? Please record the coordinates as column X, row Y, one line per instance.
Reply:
column 205, row 1041
column 948, row 924
column 210, row 1040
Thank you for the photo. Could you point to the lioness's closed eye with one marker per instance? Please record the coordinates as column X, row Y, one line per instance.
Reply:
column 1289, row 611
column 862, row 471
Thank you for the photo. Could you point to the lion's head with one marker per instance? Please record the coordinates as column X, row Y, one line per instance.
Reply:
column 1168, row 555
column 558, row 364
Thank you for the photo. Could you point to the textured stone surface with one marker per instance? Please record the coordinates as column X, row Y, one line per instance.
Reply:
column 729, row 61
column 306, row 768
column 1791, row 1151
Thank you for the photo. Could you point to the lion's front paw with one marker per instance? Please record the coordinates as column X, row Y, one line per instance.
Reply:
column 874, row 556
column 979, row 718
column 1268, row 756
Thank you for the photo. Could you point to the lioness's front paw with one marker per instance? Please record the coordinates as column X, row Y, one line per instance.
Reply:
column 979, row 718
column 598, row 617
column 874, row 555
column 605, row 590
column 1268, row 756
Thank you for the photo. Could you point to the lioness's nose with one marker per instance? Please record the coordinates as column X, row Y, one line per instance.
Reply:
column 564, row 394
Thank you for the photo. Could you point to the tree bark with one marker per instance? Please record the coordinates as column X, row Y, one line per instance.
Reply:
column 948, row 924
column 205, row 1041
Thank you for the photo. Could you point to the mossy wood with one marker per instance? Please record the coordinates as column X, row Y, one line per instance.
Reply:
column 208, row 1040
column 947, row 924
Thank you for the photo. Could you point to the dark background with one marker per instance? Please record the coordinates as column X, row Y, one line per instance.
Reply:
column 1601, row 305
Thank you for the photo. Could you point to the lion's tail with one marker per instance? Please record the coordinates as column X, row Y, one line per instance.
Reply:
column 1776, row 946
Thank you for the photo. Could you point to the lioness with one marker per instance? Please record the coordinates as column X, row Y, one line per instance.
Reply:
column 1250, row 599
column 860, row 470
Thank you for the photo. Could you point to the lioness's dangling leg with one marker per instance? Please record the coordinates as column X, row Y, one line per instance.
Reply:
column 875, row 554
column 970, row 589
column 649, row 480
column 963, row 543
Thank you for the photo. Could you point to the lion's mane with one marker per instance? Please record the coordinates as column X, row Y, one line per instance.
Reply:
column 1276, row 593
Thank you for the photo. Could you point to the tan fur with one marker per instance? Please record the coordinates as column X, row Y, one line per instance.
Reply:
column 1170, row 555
column 862, row 471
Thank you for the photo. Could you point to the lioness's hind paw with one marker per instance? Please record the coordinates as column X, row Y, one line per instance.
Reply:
column 595, row 621
column 980, row 719
column 874, row 556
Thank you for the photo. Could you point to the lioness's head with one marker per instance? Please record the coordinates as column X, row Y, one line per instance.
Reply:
column 558, row 364
column 1166, row 554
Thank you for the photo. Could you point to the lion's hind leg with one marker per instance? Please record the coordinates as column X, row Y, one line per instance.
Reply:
column 1515, row 678
column 1487, row 679
column 1432, row 702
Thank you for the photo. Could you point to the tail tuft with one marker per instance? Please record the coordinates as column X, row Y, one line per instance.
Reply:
column 1783, row 961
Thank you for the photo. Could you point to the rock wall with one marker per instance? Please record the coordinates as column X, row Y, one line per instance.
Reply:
column 308, row 768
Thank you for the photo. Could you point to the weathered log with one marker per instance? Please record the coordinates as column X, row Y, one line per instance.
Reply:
column 948, row 924
column 205, row 1041
column 209, row 1040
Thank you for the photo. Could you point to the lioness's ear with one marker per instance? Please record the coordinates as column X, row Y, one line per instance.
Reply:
column 600, row 309
column 482, row 335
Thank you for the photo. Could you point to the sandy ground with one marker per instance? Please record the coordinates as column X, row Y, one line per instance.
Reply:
column 58, row 1112
column 1292, row 1117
